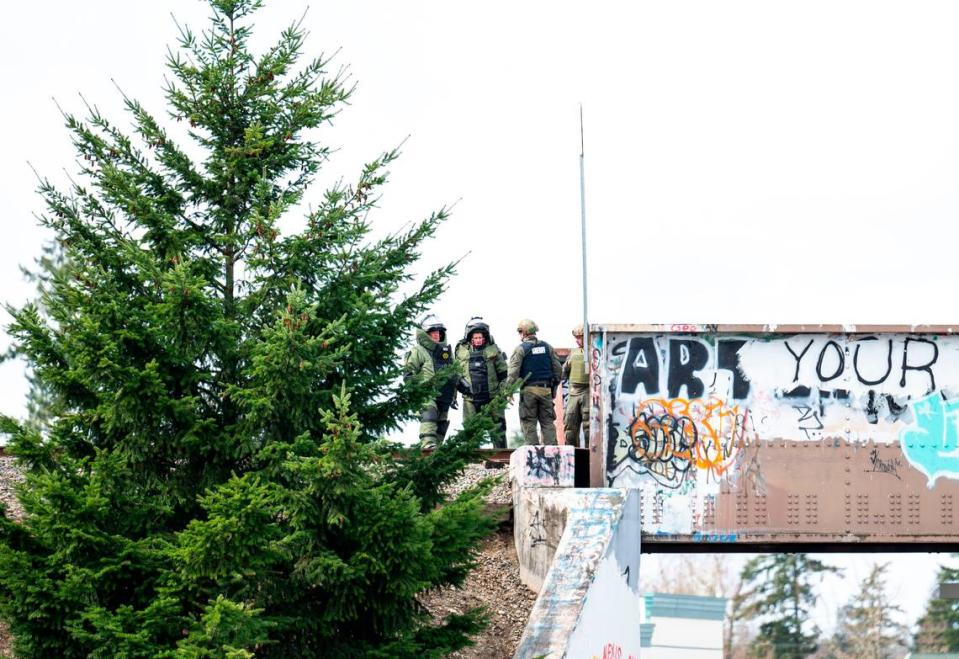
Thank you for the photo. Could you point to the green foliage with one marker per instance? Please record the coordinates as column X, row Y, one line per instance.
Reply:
column 778, row 591
column 208, row 476
column 938, row 628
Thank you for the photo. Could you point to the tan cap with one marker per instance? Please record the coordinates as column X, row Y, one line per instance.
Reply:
column 526, row 326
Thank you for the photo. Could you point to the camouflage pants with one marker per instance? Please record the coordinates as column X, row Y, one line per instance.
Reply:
column 536, row 406
column 576, row 416
column 434, row 424
column 498, row 437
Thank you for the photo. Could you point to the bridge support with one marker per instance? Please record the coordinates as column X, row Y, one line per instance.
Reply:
column 580, row 548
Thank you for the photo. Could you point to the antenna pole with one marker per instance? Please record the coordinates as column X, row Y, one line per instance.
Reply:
column 582, row 208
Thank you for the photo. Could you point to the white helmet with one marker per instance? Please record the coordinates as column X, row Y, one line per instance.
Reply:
column 432, row 322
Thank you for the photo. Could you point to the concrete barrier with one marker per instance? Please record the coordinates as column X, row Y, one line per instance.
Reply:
column 579, row 548
column 542, row 483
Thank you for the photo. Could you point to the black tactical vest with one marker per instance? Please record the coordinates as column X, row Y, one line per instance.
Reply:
column 479, row 375
column 442, row 358
column 537, row 363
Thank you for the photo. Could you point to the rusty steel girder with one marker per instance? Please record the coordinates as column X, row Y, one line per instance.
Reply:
column 840, row 437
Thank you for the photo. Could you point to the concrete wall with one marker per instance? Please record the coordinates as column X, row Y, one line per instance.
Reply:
column 580, row 549
column 542, row 479
column 609, row 623
column 539, row 520
column 589, row 604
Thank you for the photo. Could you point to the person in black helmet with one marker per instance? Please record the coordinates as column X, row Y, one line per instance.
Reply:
column 484, row 367
column 428, row 356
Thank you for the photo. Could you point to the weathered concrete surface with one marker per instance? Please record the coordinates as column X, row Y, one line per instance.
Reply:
column 609, row 622
column 542, row 479
column 539, row 519
column 589, row 604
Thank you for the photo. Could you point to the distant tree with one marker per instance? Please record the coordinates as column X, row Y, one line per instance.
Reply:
column 735, row 634
column 866, row 624
column 208, row 476
column 938, row 628
column 778, row 591
column 694, row 574
column 42, row 398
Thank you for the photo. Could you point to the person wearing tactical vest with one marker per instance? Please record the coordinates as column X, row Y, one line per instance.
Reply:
column 576, row 414
column 428, row 356
column 484, row 367
column 535, row 362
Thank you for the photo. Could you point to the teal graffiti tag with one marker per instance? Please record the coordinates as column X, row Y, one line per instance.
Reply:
column 931, row 444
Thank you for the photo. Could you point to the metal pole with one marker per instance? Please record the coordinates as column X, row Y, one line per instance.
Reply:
column 582, row 209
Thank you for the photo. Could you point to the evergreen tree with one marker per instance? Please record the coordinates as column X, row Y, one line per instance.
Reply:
column 938, row 628
column 211, row 480
column 866, row 626
column 778, row 589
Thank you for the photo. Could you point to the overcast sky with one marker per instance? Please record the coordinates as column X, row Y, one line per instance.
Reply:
column 746, row 161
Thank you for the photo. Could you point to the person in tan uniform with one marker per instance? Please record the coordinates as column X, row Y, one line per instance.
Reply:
column 576, row 414
column 536, row 363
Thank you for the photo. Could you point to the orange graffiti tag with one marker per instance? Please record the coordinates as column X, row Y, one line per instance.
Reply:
column 702, row 432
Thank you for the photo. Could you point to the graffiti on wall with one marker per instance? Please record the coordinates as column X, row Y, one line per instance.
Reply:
column 544, row 466
column 931, row 443
column 613, row 651
column 596, row 383
column 681, row 411
column 668, row 437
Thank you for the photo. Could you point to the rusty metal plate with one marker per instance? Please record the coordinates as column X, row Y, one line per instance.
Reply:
column 775, row 437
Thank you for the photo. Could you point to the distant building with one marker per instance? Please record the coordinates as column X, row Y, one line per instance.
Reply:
column 682, row 626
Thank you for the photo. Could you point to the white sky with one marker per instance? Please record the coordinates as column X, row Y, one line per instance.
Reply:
column 746, row 161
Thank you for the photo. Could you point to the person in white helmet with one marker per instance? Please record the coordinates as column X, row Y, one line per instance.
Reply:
column 429, row 354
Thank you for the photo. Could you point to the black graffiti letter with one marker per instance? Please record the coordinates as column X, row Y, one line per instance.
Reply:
column 927, row 367
column 798, row 357
column 686, row 356
column 641, row 365
column 727, row 354
column 822, row 356
column 855, row 363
